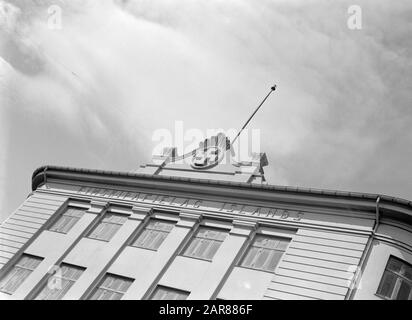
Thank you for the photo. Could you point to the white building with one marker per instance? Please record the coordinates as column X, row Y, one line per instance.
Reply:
column 208, row 229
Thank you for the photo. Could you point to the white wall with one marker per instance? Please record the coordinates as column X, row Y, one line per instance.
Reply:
column 245, row 284
column 378, row 258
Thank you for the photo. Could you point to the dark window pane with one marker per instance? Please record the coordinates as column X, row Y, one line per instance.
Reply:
column 404, row 291
column 407, row 271
column 387, row 284
column 396, row 283
column 394, row 265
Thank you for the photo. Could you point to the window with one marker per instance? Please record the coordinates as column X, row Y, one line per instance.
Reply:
column 67, row 220
column 205, row 243
column 112, row 287
column 20, row 271
column 153, row 234
column 164, row 293
column 264, row 253
column 396, row 282
column 108, row 226
column 60, row 282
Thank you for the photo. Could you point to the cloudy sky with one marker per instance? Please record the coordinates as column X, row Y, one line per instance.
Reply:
column 92, row 93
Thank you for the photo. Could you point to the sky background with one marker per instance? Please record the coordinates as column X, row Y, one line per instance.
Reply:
column 93, row 93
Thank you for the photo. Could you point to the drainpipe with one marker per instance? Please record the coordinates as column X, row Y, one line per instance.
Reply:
column 45, row 174
column 366, row 253
column 377, row 215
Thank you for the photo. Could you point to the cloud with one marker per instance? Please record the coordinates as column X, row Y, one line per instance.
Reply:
column 92, row 93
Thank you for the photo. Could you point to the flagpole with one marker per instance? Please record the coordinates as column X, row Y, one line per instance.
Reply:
column 257, row 109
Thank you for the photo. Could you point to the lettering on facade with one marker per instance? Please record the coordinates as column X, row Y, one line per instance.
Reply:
column 224, row 207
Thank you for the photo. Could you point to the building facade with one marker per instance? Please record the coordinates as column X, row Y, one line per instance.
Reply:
column 207, row 228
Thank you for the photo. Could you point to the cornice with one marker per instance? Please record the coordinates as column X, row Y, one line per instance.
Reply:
column 397, row 208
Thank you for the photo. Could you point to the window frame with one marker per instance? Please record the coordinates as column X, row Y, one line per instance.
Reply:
column 103, row 279
column 60, row 215
column 399, row 277
column 45, row 281
column 159, row 286
column 194, row 236
column 146, row 227
column 101, row 221
column 250, row 244
column 16, row 264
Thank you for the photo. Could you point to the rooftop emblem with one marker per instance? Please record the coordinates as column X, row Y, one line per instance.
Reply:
column 210, row 153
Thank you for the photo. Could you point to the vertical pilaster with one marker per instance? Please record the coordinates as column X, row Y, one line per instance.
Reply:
column 160, row 260
column 223, row 261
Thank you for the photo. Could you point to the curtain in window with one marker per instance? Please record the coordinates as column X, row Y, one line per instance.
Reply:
column 404, row 292
column 21, row 270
